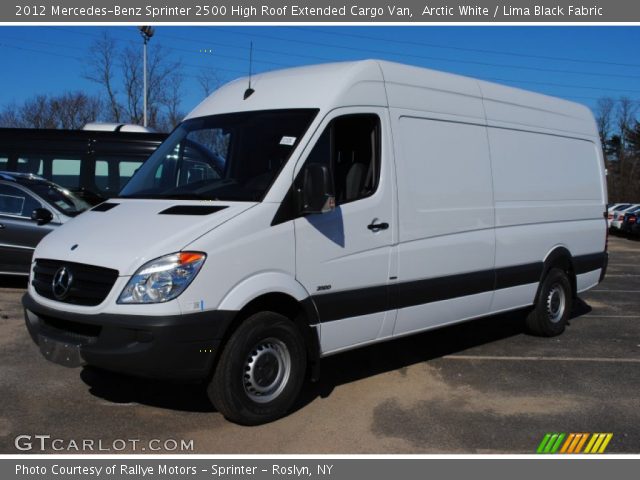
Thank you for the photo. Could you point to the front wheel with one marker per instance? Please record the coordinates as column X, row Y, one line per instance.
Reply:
column 261, row 370
column 550, row 314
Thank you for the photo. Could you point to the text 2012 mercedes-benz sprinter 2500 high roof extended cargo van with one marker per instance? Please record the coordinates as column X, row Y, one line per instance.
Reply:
column 323, row 209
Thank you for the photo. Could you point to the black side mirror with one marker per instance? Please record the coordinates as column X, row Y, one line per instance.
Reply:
column 42, row 216
column 317, row 194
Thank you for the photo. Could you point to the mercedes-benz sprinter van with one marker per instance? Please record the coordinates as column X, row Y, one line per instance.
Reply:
column 322, row 209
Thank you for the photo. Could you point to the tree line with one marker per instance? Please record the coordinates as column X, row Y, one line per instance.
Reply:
column 619, row 131
column 118, row 73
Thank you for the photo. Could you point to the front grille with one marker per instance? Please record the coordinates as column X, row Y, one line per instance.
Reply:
column 89, row 287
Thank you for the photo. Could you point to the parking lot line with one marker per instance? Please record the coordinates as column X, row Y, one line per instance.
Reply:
column 615, row 291
column 545, row 359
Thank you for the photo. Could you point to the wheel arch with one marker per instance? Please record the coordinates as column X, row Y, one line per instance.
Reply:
column 559, row 257
column 279, row 293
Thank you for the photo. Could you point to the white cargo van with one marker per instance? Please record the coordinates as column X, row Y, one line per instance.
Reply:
column 321, row 209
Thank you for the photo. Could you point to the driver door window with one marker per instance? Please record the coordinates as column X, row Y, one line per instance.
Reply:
column 350, row 147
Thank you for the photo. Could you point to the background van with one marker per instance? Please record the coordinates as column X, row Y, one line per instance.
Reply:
column 94, row 164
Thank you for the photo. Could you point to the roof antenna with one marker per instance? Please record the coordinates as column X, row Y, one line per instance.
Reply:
column 249, row 91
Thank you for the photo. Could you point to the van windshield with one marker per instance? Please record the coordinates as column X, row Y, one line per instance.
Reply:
column 232, row 156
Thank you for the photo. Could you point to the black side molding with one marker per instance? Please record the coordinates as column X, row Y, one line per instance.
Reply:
column 351, row 303
column 590, row 262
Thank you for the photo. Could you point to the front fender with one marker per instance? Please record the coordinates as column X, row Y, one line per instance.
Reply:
column 260, row 284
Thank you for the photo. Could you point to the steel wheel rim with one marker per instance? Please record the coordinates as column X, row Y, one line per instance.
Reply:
column 266, row 370
column 556, row 303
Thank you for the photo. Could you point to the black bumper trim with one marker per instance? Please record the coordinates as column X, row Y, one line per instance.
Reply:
column 173, row 346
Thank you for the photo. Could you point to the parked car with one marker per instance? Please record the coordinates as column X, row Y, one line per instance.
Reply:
column 30, row 208
column 629, row 219
column 94, row 164
column 612, row 208
column 635, row 228
column 334, row 223
column 618, row 216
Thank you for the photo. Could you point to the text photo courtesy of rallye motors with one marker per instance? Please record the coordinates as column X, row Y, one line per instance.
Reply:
column 318, row 211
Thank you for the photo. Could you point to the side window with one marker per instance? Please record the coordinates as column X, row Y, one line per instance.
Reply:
column 4, row 162
column 66, row 172
column 16, row 202
column 126, row 169
column 102, row 175
column 350, row 145
column 30, row 165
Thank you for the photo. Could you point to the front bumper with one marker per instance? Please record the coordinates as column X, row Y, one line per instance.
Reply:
column 175, row 346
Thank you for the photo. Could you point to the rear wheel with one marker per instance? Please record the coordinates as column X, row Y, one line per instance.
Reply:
column 261, row 370
column 550, row 314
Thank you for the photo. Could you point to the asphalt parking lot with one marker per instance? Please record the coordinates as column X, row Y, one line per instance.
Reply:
column 479, row 387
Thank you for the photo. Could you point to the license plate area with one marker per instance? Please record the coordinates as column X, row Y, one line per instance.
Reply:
column 60, row 352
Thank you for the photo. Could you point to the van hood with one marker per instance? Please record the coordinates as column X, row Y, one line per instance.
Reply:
column 123, row 234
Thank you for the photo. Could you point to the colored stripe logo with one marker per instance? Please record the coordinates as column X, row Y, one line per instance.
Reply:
column 574, row 443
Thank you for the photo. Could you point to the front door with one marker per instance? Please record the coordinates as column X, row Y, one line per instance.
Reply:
column 343, row 257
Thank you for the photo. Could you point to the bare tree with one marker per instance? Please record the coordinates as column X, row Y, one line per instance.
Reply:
column 102, row 69
column 171, row 99
column 625, row 116
column 70, row 110
column 132, row 82
column 624, row 165
column 74, row 110
column 164, row 82
column 208, row 80
column 604, row 117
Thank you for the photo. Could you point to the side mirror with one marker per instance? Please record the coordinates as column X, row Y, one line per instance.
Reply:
column 42, row 216
column 317, row 194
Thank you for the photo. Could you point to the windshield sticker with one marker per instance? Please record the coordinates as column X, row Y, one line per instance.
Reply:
column 288, row 141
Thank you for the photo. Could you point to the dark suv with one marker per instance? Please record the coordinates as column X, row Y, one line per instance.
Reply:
column 95, row 165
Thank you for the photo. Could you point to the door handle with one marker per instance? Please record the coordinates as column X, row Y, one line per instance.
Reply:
column 376, row 227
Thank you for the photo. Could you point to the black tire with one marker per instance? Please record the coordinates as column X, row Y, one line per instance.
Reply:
column 260, row 371
column 550, row 314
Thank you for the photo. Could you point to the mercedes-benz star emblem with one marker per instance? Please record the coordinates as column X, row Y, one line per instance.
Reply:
column 61, row 283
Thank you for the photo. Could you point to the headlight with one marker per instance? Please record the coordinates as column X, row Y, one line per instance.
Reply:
column 162, row 279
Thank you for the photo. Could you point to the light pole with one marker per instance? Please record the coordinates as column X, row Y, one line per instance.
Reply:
column 146, row 32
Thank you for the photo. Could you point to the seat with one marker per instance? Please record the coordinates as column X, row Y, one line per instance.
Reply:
column 354, row 181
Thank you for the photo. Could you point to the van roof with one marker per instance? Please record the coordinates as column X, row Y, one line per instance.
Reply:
column 389, row 84
column 116, row 127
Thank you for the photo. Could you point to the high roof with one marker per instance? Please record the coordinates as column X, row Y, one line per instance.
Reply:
column 382, row 83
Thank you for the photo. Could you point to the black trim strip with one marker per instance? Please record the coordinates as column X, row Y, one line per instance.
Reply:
column 507, row 277
column 419, row 292
column 364, row 301
column 351, row 303
column 590, row 262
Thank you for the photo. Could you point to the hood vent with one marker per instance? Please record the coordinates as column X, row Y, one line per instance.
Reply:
column 104, row 207
column 192, row 210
